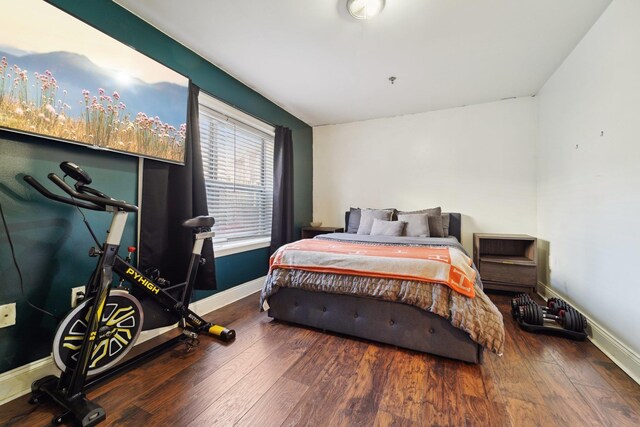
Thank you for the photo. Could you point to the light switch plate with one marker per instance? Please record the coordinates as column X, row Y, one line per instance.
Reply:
column 7, row 315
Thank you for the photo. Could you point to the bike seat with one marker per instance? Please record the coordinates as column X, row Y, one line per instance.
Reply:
column 199, row 221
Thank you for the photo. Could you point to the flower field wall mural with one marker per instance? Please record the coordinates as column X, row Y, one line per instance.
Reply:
column 62, row 79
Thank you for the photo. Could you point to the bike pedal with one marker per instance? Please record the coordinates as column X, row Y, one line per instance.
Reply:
column 190, row 334
column 192, row 340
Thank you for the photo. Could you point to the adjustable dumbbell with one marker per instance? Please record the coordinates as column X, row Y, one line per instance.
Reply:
column 553, row 310
column 517, row 301
column 554, row 305
column 557, row 304
column 574, row 320
column 554, row 299
column 520, row 299
column 524, row 299
column 569, row 319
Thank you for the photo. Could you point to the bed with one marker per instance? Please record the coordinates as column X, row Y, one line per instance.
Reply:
column 392, row 322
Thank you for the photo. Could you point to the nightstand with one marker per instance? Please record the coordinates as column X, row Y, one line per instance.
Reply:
column 506, row 262
column 311, row 232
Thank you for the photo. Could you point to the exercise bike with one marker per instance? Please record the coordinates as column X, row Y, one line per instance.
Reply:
column 100, row 331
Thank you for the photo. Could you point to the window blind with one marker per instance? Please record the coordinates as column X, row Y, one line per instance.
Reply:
column 237, row 159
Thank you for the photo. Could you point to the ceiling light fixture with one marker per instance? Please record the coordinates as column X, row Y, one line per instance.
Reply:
column 365, row 9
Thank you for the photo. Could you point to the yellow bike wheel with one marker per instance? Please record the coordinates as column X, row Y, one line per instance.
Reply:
column 122, row 320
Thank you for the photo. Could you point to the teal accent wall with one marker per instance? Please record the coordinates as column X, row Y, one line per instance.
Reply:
column 50, row 240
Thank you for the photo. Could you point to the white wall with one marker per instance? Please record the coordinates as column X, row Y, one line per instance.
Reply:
column 477, row 160
column 588, row 182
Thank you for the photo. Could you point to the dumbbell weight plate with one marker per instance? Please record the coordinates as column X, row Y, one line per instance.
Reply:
column 582, row 321
column 519, row 311
column 560, row 305
column 573, row 321
column 555, row 301
column 567, row 320
column 532, row 314
column 520, row 300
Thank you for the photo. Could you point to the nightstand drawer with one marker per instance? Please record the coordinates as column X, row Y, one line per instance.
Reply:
column 507, row 272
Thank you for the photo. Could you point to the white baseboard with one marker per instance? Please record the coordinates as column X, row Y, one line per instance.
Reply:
column 623, row 356
column 17, row 382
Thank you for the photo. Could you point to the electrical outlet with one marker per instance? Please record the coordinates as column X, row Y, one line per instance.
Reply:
column 75, row 292
column 7, row 315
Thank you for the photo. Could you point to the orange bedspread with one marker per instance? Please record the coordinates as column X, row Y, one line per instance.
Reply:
column 446, row 265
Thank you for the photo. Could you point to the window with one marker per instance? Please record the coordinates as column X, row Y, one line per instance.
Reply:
column 237, row 158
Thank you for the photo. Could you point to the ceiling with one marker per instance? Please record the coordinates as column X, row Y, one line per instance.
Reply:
column 323, row 66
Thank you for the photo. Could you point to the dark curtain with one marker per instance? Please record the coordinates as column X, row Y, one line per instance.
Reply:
column 282, row 222
column 170, row 195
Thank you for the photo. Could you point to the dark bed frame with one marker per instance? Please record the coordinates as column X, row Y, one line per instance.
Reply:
column 392, row 323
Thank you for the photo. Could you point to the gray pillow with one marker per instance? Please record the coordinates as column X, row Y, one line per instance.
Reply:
column 387, row 228
column 368, row 215
column 354, row 220
column 435, row 226
column 430, row 211
column 445, row 224
column 435, row 220
column 417, row 224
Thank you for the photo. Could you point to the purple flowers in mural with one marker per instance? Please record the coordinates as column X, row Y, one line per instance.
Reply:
column 37, row 106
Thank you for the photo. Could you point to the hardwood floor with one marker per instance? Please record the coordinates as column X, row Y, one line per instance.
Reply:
column 276, row 374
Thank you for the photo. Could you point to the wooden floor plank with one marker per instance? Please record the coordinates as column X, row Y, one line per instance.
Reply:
column 385, row 419
column 525, row 414
column 572, row 357
column 275, row 405
column 276, row 373
column 361, row 399
column 611, row 408
column 184, row 404
column 471, row 380
column 561, row 396
column 534, row 348
column 231, row 406
column 404, row 394
column 513, row 376
column 618, row 379
column 323, row 397
column 18, row 413
column 484, row 412
column 443, row 396
column 313, row 363
column 489, row 379
column 131, row 415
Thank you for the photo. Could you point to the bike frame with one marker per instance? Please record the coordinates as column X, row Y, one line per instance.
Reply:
column 100, row 287
column 68, row 390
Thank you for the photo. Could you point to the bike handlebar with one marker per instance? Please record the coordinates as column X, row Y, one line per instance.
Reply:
column 49, row 195
column 101, row 201
column 91, row 201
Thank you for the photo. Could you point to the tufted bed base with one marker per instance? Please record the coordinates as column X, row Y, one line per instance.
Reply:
column 383, row 321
